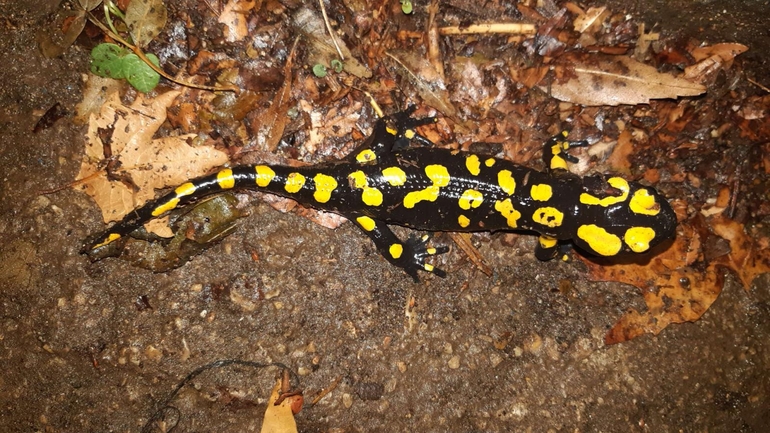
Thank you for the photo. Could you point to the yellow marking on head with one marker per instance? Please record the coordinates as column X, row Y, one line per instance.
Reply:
column 391, row 131
column 489, row 162
column 541, row 192
column 463, row 221
column 644, row 203
column 366, row 223
column 225, row 179
column 112, row 237
column 294, row 183
column 473, row 164
column 506, row 181
column 324, row 186
column 548, row 216
column 440, row 177
column 601, row 241
column 394, row 176
column 372, row 196
column 558, row 162
column 358, row 180
column 471, row 199
column 409, row 134
column 165, row 207
column 506, row 209
column 547, row 241
column 366, row 155
column 615, row 182
column 396, row 250
column 638, row 238
column 265, row 175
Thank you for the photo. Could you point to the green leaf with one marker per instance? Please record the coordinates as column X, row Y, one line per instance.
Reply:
column 139, row 74
column 107, row 61
column 319, row 70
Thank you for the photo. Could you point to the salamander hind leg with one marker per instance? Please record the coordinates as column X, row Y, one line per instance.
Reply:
column 409, row 255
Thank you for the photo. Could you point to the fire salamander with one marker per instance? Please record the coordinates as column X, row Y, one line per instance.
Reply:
column 387, row 181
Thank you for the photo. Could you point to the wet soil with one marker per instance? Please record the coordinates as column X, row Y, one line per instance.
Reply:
column 96, row 347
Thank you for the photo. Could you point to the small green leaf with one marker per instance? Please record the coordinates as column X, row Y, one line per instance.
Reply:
column 406, row 6
column 139, row 74
column 337, row 66
column 319, row 70
column 107, row 61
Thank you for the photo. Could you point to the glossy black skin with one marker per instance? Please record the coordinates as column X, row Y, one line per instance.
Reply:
column 392, row 148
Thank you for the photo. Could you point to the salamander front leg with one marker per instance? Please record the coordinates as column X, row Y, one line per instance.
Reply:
column 555, row 150
column 409, row 256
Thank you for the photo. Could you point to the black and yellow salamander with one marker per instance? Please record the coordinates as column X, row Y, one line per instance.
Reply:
column 387, row 181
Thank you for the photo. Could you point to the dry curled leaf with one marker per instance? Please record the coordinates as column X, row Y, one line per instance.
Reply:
column 145, row 20
column 279, row 418
column 235, row 18
column 616, row 80
column 142, row 163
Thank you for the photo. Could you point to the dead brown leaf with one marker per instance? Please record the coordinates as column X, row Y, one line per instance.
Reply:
column 148, row 163
column 617, row 80
column 235, row 18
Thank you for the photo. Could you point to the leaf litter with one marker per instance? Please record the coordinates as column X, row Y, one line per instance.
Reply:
column 588, row 74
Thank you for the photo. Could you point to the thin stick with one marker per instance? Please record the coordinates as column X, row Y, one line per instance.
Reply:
column 515, row 28
column 329, row 29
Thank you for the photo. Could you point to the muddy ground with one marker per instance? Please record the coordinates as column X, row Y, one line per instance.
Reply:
column 96, row 347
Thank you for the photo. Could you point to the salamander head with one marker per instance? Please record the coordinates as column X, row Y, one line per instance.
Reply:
column 632, row 218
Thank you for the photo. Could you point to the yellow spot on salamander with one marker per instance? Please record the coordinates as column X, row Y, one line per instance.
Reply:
column 615, row 182
column 225, row 179
column 473, row 164
column 265, row 175
column 372, row 196
column 391, row 131
column 471, row 199
column 541, row 192
column 438, row 174
column 428, row 267
column 409, row 134
column 548, row 216
column 366, row 155
column 463, row 221
column 394, row 176
column 396, row 250
column 547, row 241
column 644, row 203
column 638, row 238
column 112, row 237
column 294, row 183
column 506, row 181
column 165, row 207
column 324, row 186
column 430, row 250
column 600, row 240
column 506, row 209
column 358, row 180
column 489, row 162
column 184, row 189
column 440, row 177
column 366, row 223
